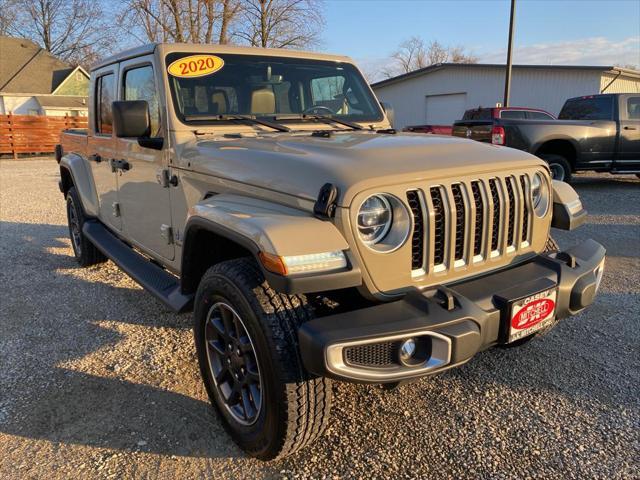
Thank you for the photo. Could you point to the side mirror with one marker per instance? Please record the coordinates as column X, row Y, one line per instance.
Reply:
column 131, row 119
column 388, row 110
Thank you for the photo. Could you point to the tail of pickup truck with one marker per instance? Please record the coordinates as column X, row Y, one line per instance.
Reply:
column 74, row 140
column 595, row 132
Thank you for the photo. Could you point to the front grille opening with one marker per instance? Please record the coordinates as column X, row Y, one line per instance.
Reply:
column 512, row 212
column 440, row 225
column 460, row 213
column 479, row 230
column 417, row 249
column 525, row 217
column 495, row 230
column 374, row 355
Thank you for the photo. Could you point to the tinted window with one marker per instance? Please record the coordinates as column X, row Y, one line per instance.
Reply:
column 539, row 116
column 518, row 114
column 139, row 84
column 478, row 114
column 105, row 95
column 633, row 108
column 271, row 86
column 587, row 108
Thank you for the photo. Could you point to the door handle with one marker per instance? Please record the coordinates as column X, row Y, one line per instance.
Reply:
column 629, row 128
column 95, row 158
column 120, row 165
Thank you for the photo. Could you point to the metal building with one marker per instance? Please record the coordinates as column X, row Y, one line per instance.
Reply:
column 439, row 94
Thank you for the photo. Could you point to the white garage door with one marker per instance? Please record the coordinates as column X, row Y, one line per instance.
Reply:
column 445, row 109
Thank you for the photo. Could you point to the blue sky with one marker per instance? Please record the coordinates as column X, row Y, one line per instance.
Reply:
column 583, row 32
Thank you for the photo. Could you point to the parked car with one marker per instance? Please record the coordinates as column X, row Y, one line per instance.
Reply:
column 594, row 132
column 265, row 190
column 522, row 113
column 433, row 129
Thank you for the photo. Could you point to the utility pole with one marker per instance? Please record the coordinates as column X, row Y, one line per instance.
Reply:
column 507, row 79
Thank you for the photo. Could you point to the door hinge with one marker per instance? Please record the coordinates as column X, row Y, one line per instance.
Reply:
column 166, row 179
column 116, row 209
column 166, row 232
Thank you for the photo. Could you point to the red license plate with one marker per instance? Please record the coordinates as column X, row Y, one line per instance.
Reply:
column 531, row 314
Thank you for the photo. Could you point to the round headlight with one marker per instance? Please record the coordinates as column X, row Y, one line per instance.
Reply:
column 374, row 219
column 539, row 194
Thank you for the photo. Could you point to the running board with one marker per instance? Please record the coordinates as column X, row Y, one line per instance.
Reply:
column 159, row 282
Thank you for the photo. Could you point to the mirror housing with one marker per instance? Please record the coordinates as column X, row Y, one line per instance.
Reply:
column 131, row 119
column 389, row 112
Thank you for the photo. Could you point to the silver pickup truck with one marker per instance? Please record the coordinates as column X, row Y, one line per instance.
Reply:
column 266, row 191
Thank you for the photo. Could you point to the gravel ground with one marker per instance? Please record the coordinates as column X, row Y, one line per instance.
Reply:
column 99, row 380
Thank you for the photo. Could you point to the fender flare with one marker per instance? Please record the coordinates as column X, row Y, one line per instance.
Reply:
column 262, row 226
column 554, row 137
column 82, row 180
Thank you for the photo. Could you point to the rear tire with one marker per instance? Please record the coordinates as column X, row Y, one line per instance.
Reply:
column 559, row 166
column 85, row 252
column 549, row 247
column 290, row 408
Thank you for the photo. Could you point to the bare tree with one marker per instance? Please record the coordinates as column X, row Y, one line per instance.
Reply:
column 8, row 16
column 280, row 23
column 68, row 29
column 193, row 21
column 413, row 54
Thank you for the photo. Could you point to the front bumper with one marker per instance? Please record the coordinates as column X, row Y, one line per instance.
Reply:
column 452, row 323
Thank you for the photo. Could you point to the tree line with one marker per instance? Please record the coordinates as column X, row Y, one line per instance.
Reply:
column 83, row 31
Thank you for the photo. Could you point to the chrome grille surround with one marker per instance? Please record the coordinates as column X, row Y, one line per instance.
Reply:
column 412, row 264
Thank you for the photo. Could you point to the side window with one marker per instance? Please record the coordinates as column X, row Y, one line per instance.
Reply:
column 105, row 96
column 539, row 116
column 514, row 114
column 139, row 84
column 633, row 108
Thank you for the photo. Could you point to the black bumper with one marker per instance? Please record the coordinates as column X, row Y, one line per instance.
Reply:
column 453, row 322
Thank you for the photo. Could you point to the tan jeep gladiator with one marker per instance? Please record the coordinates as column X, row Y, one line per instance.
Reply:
column 266, row 191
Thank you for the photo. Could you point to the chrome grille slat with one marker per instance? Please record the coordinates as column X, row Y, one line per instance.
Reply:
column 460, row 223
column 439, row 226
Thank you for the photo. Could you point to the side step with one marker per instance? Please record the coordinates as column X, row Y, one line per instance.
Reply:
column 163, row 285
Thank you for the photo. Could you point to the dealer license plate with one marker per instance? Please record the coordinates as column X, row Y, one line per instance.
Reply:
column 532, row 313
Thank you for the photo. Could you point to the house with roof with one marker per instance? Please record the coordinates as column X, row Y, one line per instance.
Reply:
column 34, row 82
column 440, row 94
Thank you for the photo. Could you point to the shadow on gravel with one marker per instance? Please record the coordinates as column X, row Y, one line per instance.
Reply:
column 50, row 309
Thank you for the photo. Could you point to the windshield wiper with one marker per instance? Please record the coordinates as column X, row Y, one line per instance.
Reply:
column 243, row 118
column 322, row 118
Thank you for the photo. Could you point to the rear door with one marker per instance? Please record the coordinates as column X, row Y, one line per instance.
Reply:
column 143, row 193
column 629, row 143
column 101, row 145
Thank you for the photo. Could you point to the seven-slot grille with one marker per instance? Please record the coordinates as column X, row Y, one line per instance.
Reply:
column 465, row 222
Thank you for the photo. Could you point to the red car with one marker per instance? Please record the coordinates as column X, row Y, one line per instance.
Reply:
column 481, row 113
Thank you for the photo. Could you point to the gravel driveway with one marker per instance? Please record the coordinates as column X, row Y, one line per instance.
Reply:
column 99, row 380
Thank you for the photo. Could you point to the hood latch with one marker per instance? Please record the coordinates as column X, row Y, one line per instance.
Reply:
column 325, row 206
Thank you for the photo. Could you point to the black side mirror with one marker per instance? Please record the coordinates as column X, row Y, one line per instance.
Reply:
column 131, row 119
column 388, row 110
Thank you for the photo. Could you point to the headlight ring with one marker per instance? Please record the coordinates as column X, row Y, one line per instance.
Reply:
column 383, row 222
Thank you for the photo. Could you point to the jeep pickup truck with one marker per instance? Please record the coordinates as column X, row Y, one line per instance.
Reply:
column 266, row 191
column 595, row 132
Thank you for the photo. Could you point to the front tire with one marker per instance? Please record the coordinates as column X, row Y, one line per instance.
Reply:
column 288, row 408
column 85, row 252
column 559, row 166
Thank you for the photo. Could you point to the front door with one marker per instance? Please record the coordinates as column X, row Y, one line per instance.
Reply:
column 102, row 146
column 628, row 158
column 143, row 194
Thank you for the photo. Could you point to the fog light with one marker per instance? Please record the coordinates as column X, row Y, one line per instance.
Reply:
column 407, row 350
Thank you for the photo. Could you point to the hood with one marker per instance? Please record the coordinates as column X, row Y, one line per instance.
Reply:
column 299, row 164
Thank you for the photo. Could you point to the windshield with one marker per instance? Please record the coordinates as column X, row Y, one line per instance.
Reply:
column 206, row 86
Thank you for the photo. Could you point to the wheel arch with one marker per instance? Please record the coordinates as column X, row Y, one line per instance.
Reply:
column 564, row 147
column 74, row 172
